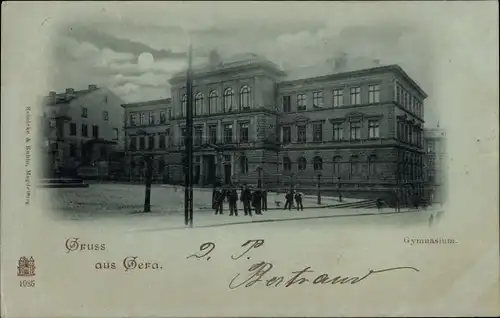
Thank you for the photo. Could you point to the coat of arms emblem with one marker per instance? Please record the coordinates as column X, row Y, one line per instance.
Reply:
column 26, row 266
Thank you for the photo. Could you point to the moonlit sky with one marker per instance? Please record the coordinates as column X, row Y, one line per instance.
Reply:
column 134, row 49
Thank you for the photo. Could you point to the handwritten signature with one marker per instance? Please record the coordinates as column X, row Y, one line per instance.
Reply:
column 259, row 272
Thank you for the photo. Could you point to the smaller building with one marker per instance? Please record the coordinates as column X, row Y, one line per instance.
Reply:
column 83, row 132
column 148, row 132
column 435, row 164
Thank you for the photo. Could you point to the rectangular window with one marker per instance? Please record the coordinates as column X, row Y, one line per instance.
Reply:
column 95, row 131
column 301, row 134
column 355, row 130
column 142, row 143
column 169, row 114
column 287, row 104
column 133, row 119
column 162, row 143
column 184, row 134
column 301, row 102
column 338, row 132
column 151, row 118
column 105, row 115
column 151, row 142
column 373, row 129
column 405, row 101
column 198, row 135
column 163, row 118
column 317, row 99
column 228, row 133
column 133, row 143
column 72, row 129
column 84, row 112
column 116, row 134
column 373, row 94
column 142, row 118
column 212, row 132
column 338, row 97
column 167, row 135
column 287, row 135
column 244, row 132
column 85, row 130
column 72, row 150
column 355, row 95
column 317, row 132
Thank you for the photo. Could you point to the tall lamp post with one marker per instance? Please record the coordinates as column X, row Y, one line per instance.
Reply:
column 319, row 186
column 340, row 193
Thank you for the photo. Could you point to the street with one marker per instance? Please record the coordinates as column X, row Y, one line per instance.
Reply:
column 121, row 206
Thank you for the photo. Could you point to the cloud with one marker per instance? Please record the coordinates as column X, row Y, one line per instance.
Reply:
column 103, row 40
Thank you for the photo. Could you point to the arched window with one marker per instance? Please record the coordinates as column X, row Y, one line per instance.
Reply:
column 372, row 169
column 198, row 102
column 228, row 100
column 287, row 164
column 243, row 164
column 354, row 165
column 212, row 102
column 183, row 105
column 302, row 162
column 336, row 165
column 318, row 163
column 245, row 97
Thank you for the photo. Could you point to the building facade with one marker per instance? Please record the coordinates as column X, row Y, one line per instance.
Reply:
column 82, row 130
column 435, row 164
column 360, row 130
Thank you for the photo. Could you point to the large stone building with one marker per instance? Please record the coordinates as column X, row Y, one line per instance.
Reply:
column 82, row 128
column 358, row 128
column 435, row 163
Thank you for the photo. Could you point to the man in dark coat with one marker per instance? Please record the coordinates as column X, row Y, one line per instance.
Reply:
column 233, row 201
column 246, row 197
column 289, row 200
column 257, row 201
column 298, row 200
column 264, row 200
column 219, row 201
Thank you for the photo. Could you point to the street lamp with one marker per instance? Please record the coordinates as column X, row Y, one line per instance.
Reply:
column 340, row 193
column 319, row 185
column 259, row 182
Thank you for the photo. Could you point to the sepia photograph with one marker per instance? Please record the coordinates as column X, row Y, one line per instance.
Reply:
column 249, row 159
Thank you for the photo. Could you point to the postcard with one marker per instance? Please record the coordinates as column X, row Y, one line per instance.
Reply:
column 249, row 159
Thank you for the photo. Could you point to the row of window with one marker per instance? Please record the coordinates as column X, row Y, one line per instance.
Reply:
column 410, row 133
column 227, row 131
column 338, row 132
column 85, row 131
column 337, row 100
column 140, row 118
column 409, row 102
column 213, row 106
column 105, row 114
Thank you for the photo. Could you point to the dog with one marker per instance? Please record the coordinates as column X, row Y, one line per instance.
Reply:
column 277, row 203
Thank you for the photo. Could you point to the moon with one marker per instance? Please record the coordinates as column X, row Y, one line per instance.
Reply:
column 145, row 60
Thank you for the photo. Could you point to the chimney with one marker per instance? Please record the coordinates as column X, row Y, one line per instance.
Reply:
column 340, row 61
column 92, row 87
column 214, row 58
column 52, row 96
column 69, row 93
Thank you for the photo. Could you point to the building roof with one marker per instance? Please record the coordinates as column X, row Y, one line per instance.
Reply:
column 64, row 98
column 149, row 103
column 233, row 61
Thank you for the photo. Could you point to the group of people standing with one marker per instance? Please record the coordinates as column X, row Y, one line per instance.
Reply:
column 293, row 194
column 256, row 200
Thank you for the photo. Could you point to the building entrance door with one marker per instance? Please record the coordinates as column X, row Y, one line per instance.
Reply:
column 227, row 173
column 209, row 169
